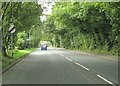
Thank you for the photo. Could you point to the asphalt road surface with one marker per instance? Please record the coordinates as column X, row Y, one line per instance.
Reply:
column 60, row 66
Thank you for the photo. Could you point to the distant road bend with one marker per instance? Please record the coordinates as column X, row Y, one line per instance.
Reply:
column 60, row 66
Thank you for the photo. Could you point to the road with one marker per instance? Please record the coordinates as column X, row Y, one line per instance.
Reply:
column 60, row 66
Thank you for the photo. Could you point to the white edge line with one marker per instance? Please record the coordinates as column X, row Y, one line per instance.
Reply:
column 82, row 66
column 105, row 80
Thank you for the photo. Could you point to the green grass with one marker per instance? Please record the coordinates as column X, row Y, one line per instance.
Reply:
column 20, row 53
column 6, row 61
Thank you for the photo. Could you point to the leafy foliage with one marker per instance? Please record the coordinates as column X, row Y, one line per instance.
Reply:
column 24, row 16
column 86, row 26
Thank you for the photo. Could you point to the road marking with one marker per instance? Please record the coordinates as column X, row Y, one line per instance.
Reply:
column 105, row 80
column 82, row 66
column 61, row 55
column 65, row 57
column 70, row 60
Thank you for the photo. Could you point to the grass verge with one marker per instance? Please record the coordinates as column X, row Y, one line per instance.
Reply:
column 6, row 61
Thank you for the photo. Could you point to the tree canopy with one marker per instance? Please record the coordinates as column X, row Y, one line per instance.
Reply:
column 25, row 17
column 85, row 25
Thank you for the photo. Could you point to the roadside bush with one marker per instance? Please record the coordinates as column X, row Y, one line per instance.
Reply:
column 20, row 43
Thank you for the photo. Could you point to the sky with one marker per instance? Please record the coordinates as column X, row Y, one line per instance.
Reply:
column 47, row 8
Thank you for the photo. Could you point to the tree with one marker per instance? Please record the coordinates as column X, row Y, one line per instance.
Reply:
column 22, row 15
column 84, row 25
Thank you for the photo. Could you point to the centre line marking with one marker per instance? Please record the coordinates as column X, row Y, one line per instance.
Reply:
column 67, row 58
column 82, row 66
column 106, row 80
column 61, row 55
column 70, row 60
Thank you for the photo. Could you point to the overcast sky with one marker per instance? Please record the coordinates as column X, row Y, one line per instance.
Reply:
column 47, row 8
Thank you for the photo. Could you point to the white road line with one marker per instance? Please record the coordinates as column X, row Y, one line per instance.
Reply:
column 82, row 66
column 67, row 58
column 70, row 60
column 105, row 80
column 61, row 55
